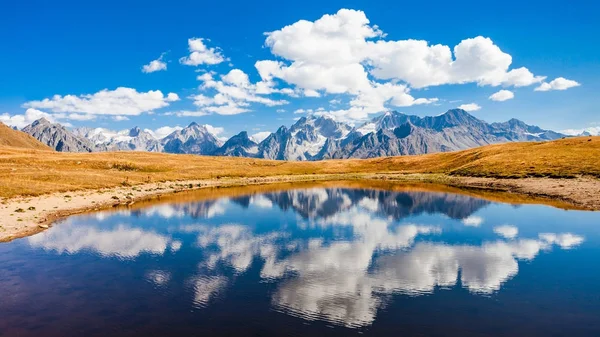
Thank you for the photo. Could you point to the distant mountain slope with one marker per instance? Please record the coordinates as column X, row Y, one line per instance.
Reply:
column 239, row 145
column 310, row 138
column 194, row 139
column 133, row 139
column 394, row 134
column 15, row 138
column 58, row 137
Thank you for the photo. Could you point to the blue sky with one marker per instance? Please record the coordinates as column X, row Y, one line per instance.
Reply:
column 358, row 62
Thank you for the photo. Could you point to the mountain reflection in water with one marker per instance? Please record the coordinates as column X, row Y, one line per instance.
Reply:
column 333, row 255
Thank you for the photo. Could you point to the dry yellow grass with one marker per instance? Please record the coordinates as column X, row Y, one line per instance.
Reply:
column 35, row 172
column 10, row 137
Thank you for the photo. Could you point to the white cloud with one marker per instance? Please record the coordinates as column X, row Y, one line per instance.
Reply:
column 260, row 136
column 470, row 107
column 314, row 274
column 206, row 288
column 229, row 109
column 121, row 241
column 201, row 54
column 155, row 65
column 592, row 130
column 559, row 83
column 375, row 99
column 215, row 130
column 475, row 60
column 343, row 53
column 564, row 240
column 502, row 95
column 332, row 49
column 311, row 93
column 233, row 94
column 30, row 115
column 120, row 118
column 261, row 201
column 473, row 221
column 165, row 211
column 507, row 231
column 187, row 113
column 325, row 273
column 164, row 131
column 121, row 101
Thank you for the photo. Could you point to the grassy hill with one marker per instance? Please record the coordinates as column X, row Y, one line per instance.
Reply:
column 10, row 137
column 34, row 172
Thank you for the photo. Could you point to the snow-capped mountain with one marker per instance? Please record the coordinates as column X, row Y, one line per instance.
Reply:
column 310, row 138
column 194, row 139
column 394, row 134
column 133, row 139
column 305, row 140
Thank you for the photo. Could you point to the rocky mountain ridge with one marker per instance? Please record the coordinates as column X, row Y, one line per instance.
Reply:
column 310, row 138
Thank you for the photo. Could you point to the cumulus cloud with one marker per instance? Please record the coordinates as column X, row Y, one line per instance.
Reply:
column 559, row 83
column 473, row 221
column 344, row 53
column 201, row 54
column 347, row 281
column 121, row 102
column 231, row 95
column 507, row 231
column 592, row 130
column 328, row 54
column 470, row 107
column 165, row 211
column 215, row 130
column 564, row 240
column 30, row 115
column 120, row 118
column 122, row 241
column 261, row 201
column 502, row 95
column 155, row 65
column 187, row 113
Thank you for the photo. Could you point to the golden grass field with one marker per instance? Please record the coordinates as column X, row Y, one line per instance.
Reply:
column 10, row 137
column 35, row 172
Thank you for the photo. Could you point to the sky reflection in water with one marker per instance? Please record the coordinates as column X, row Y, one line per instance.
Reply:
column 309, row 259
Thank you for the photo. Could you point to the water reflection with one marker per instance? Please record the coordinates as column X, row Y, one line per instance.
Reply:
column 122, row 241
column 337, row 255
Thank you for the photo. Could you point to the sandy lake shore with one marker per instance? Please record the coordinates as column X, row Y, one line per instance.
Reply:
column 23, row 216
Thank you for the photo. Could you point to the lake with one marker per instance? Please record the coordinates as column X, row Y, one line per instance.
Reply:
column 308, row 262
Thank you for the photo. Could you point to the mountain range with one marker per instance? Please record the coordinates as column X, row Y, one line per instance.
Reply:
column 310, row 138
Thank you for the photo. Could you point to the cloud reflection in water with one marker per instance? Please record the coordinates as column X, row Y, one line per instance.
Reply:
column 373, row 253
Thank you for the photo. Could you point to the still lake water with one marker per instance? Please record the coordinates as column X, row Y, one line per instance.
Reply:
column 309, row 262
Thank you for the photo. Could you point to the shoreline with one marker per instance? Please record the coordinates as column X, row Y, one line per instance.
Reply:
column 24, row 216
